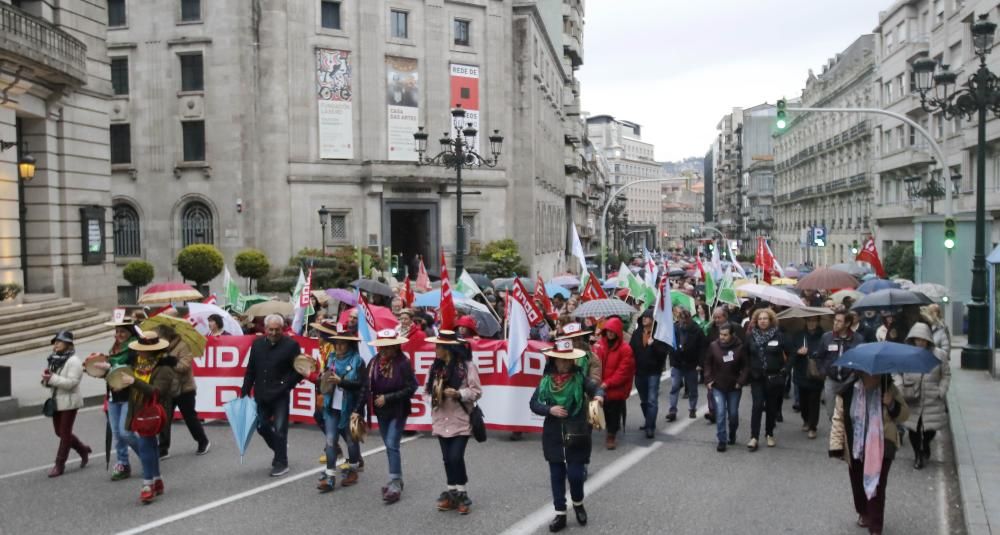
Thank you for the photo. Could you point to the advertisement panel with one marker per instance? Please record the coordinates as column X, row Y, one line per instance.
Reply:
column 465, row 91
column 402, row 96
column 335, row 107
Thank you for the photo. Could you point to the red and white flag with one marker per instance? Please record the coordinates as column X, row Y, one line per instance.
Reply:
column 407, row 293
column 304, row 297
column 592, row 290
column 701, row 268
column 542, row 297
column 766, row 261
column 423, row 281
column 518, row 331
column 869, row 253
column 520, row 293
column 446, row 310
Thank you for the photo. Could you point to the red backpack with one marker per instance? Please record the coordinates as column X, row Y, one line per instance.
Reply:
column 149, row 419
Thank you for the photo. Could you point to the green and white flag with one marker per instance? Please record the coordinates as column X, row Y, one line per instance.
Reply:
column 681, row 299
column 231, row 289
column 467, row 286
column 727, row 294
column 710, row 290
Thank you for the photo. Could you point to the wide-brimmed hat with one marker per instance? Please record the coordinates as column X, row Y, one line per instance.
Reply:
column 564, row 350
column 304, row 364
column 445, row 337
column 336, row 331
column 62, row 336
column 571, row 330
column 388, row 337
column 148, row 341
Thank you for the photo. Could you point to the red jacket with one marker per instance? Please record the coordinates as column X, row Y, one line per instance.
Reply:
column 617, row 363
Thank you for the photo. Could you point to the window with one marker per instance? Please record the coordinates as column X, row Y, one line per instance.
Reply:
column 116, row 13
column 890, row 41
column 338, row 227
column 121, row 143
column 330, row 14
column 126, row 228
column 196, row 224
column 938, row 11
column 469, row 222
column 888, row 92
column 900, row 87
column 398, row 20
column 913, row 136
column 119, row 76
column 461, row 32
column 194, row 141
column 939, row 120
column 192, row 73
column 190, row 10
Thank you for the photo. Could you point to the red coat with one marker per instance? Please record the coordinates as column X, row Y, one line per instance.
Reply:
column 617, row 363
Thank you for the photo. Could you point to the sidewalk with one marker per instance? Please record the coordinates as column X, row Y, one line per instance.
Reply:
column 973, row 399
column 26, row 373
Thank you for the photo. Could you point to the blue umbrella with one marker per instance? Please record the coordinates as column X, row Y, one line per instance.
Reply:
column 554, row 290
column 888, row 357
column 433, row 298
column 874, row 285
column 242, row 416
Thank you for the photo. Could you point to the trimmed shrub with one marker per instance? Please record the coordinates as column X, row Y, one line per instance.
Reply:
column 200, row 263
column 138, row 273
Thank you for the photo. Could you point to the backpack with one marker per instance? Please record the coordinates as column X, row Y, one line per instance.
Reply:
column 148, row 421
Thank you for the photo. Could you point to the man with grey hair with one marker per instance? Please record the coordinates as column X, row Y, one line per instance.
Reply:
column 271, row 377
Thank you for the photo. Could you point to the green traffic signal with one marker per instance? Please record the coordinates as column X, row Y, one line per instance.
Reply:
column 949, row 233
column 781, row 121
column 854, row 248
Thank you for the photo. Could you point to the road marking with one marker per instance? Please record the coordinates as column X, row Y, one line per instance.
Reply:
column 944, row 519
column 36, row 418
column 534, row 521
column 37, row 468
column 246, row 494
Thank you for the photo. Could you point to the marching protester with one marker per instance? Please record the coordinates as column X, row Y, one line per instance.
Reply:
column 926, row 396
column 453, row 387
column 768, row 361
column 561, row 398
column 684, row 362
column 650, row 357
column 831, row 346
column 589, row 363
column 185, row 400
column 391, row 384
column 804, row 349
column 408, row 329
column 466, row 328
column 942, row 335
column 343, row 382
column 216, row 326
column 720, row 318
column 271, row 377
column 118, row 356
column 865, row 433
column 726, row 371
column 618, row 369
column 62, row 375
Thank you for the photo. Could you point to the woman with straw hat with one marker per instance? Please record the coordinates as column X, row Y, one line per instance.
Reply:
column 453, row 387
column 118, row 356
column 344, row 376
column 152, row 374
column 561, row 398
column 391, row 383
column 61, row 376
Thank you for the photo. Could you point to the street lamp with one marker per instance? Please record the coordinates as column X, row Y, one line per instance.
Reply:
column 456, row 153
column 26, row 166
column 932, row 190
column 980, row 94
column 324, row 218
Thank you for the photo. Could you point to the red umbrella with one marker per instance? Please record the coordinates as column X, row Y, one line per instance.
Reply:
column 384, row 319
column 827, row 279
column 169, row 292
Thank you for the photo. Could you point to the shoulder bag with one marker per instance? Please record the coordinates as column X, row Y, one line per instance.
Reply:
column 49, row 407
column 575, row 433
column 149, row 419
column 477, row 421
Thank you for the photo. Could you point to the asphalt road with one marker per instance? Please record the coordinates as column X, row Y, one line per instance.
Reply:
column 676, row 483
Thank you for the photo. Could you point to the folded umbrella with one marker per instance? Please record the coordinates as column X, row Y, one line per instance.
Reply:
column 242, row 416
column 874, row 285
column 891, row 298
column 888, row 357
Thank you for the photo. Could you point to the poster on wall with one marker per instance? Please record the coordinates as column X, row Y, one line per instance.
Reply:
column 336, row 114
column 465, row 91
column 402, row 96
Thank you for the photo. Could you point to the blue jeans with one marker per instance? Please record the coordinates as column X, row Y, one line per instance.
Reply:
column 331, row 422
column 649, row 398
column 727, row 413
column 558, row 474
column 117, row 414
column 392, row 434
column 148, row 449
column 678, row 378
column 272, row 425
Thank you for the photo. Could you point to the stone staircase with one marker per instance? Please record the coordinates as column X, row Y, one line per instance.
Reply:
column 32, row 324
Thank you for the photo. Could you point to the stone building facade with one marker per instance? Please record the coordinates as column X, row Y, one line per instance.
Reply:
column 727, row 172
column 683, row 209
column 824, row 162
column 55, row 229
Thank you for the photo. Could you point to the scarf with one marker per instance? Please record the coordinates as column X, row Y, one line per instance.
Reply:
column 347, row 369
column 57, row 361
column 451, row 375
column 564, row 389
column 119, row 353
column 760, row 339
column 385, row 366
column 144, row 367
column 866, row 422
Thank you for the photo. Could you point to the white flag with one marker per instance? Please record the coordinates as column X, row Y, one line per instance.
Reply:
column 467, row 286
column 650, row 266
column 663, row 315
column 299, row 311
column 736, row 264
column 578, row 250
column 518, row 329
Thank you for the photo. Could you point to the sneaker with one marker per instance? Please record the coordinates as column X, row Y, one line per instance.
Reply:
column 721, row 447
column 805, row 427
column 671, row 416
column 158, row 487
column 812, row 433
column 752, row 445
column 146, row 495
column 770, row 441
column 120, row 472
column 203, row 448
column 691, row 414
column 322, row 459
column 463, row 503
column 327, row 484
column 350, row 478
column 392, row 492
column 279, row 470
column 446, row 501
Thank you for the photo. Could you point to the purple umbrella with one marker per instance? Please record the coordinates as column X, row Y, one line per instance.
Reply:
column 344, row 296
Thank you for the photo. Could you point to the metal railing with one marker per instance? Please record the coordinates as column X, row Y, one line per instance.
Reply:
column 42, row 42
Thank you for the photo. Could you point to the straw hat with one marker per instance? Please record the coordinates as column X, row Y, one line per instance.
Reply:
column 571, row 330
column 127, row 323
column 336, row 331
column 564, row 350
column 148, row 341
column 304, row 364
column 445, row 338
column 388, row 337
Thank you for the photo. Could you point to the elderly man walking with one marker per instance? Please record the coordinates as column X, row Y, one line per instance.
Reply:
column 271, row 377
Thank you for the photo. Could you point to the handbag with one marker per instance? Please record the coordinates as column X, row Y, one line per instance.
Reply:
column 776, row 380
column 575, row 434
column 477, row 421
column 148, row 421
column 812, row 370
column 49, row 407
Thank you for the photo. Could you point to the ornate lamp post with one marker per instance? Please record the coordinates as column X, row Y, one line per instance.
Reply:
column 324, row 218
column 457, row 153
column 977, row 96
column 931, row 191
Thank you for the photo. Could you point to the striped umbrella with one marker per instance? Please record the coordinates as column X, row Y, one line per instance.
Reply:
column 169, row 292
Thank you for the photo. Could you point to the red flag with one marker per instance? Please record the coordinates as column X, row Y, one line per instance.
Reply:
column 542, row 297
column 407, row 295
column 423, row 281
column 701, row 268
column 592, row 290
column 764, row 259
column 869, row 253
column 446, row 310
column 210, row 300
column 518, row 291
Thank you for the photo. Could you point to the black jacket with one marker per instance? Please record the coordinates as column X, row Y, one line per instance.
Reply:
column 552, row 427
column 831, row 347
column 651, row 359
column 690, row 347
column 800, row 363
column 768, row 359
column 269, row 371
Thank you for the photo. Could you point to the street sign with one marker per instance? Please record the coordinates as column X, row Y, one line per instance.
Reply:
column 818, row 237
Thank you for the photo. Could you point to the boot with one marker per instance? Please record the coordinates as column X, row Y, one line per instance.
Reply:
column 84, row 452
column 581, row 514
column 350, row 478
column 446, row 501
column 158, row 487
column 57, row 469
column 558, row 523
column 326, row 485
column 610, row 442
column 463, row 503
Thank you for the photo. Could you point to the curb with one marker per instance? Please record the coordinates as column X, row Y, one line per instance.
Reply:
column 973, row 508
column 36, row 410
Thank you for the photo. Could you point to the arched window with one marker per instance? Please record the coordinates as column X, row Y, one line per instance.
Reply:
column 196, row 224
column 126, row 229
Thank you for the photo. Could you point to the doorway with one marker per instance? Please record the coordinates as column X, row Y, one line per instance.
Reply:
column 411, row 230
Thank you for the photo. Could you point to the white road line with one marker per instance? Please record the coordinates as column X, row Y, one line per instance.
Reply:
column 609, row 473
column 37, row 468
column 36, row 418
column 246, row 494
column 944, row 519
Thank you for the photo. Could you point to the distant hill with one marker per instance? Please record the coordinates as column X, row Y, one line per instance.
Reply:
column 695, row 164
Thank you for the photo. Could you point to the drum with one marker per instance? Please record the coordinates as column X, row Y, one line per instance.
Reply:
column 304, row 365
column 90, row 369
column 115, row 377
column 325, row 384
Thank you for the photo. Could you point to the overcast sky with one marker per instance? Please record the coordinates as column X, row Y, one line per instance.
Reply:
column 676, row 67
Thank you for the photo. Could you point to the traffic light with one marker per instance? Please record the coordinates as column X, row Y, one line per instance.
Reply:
column 394, row 264
column 949, row 233
column 854, row 248
column 781, row 122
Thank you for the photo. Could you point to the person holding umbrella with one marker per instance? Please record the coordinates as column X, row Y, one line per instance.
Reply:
column 927, row 393
column 345, row 375
column 768, row 363
column 62, row 374
column 391, row 384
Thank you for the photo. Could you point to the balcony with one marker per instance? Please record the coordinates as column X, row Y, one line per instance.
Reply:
column 52, row 53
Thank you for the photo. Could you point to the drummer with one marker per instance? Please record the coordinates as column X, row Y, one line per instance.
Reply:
column 119, row 355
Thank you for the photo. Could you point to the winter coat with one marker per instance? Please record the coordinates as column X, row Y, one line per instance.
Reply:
column 926, row 393
column 65, row 384
column 397, row 399
column 726, row 366
column 185, row 359
column 649, row 359
column 552, row 427
column 766, row 360
column 942, row 337
column 690, row 347
column 841, row 434
column 713, row 332
column 831, row 347
column 269, row 370
column 617, row 363
column 163, row 380
column 800, row 363
column 450, row 419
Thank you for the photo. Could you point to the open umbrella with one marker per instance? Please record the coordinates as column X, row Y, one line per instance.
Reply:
column 481, row 280
column 433, row 298
column 281, row 308
column 344, row 296
column 850, row 268
column 827, row 279
column 486, row 323
column 507, row 283
column 247, row 301
column 771, row 294
column 874, row 285
column 890, row 298
column 242, row 415
column 838, row 297
column 554, row 289
column 905, row 284
column 603, row 308
column 783, row 281
column 932, row 290
column 194, row 340
column 676, row 273
column 888, row 357
column 791, row 272
column 793, row 319
column 610, row 284
column 169, row 292
column 567, row 281
column 198, row 314
column 383, row 317
column 373, row 287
